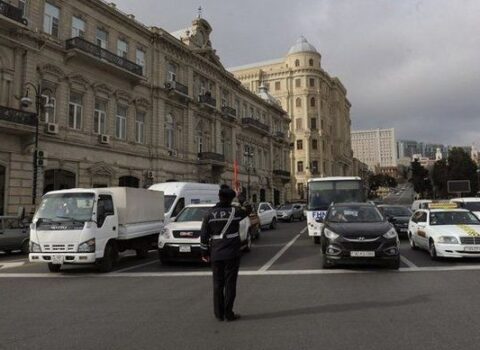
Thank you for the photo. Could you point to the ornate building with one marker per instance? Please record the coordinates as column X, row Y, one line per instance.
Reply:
column 124, row 104
column 318, row 106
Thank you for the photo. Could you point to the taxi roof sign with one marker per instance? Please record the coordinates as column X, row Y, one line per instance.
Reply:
column 443, row 205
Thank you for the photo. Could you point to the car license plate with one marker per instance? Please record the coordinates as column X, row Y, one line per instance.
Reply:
column 57, row 259
column 360, row 254
column 472, row 249
column 185, row 249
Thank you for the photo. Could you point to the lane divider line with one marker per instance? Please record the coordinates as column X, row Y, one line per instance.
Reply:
column 408, row 262
column 279, row 254
column 304, row 230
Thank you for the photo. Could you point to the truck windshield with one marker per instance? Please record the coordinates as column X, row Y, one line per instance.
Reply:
column 63, row 207
column 168, row 201
column 192, row 214
column 322, row 193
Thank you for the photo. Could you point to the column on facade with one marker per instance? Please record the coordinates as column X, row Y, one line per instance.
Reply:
column 217, row 136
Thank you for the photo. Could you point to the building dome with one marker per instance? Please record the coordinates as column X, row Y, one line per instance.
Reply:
column 302, row 45
column 265, row 95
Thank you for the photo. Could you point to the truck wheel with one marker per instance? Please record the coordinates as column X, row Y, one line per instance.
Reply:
column 54, row 268
column 316, row 240
column 26, row 247
column 142, row 253
column 109, row 259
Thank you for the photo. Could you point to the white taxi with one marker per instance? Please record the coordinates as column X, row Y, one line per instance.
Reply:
column 445, row 231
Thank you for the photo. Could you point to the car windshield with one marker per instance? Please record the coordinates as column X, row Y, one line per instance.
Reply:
column 168, row 202
column 453, row 218
column 192, row 214
column 63, row 207
column 350, row 214
column 396, row 211
column 473, row 206
column 322, row 193
column 285, row 207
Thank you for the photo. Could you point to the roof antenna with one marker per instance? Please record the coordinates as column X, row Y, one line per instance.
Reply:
column 199, row 12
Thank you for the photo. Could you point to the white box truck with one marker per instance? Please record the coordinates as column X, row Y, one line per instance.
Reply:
column 91, row 226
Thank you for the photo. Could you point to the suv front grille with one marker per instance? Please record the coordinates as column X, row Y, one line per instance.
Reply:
column 361, row 246
column 186, row 234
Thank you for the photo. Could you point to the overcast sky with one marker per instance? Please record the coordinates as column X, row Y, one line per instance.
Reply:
column 409, row 64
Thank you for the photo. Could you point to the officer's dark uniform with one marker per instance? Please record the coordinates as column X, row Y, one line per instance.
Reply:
column 223, row 247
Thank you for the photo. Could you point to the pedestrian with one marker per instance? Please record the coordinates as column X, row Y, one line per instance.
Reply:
column 221, row 245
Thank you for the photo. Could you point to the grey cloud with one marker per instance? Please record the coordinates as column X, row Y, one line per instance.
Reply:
column 408, row 64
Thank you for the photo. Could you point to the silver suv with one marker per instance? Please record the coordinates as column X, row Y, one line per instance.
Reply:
column 290, row 212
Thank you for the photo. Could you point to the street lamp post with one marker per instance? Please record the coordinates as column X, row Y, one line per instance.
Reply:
column 26, row 102
column 248, row 155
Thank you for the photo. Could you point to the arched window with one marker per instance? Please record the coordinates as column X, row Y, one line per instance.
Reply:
column 298, row 102
column 58, row 179
column 129, row 181
column 297, row 63
column 169, row 131
column 312, row 102
column 199, row 138
column 310, row 62
column 3, row 188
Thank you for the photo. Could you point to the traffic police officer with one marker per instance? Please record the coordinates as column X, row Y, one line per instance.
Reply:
column 221, row 244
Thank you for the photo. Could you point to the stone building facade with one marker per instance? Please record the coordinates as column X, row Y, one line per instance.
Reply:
column 133, row 105
column 318, row 106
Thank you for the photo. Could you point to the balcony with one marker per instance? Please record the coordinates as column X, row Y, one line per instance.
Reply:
column 117, row 64
column 11, row 16
column 256, row 125
column 283, row 175
column 229, row 113
column 211, row 156
column 207, row 100
column 17, row 121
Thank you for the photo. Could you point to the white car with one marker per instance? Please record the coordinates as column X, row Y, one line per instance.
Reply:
column 267, row 215
column 180, row 239
column 470, row 203
column 445, row 233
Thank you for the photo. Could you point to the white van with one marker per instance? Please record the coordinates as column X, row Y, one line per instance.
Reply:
column 470, row 203
column 180, row 194
column 420, row 204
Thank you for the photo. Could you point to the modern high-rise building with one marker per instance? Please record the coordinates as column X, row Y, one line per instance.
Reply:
column 407, row 148
column 376, row 148
column 318, row 106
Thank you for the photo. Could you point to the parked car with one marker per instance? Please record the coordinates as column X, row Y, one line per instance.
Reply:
column 290, row 212
column 14, row 234
column 469, row 203
column 267, row 215
column 358, row 233
column 398, row 216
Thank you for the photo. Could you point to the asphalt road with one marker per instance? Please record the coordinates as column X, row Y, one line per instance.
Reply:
column 287, row 302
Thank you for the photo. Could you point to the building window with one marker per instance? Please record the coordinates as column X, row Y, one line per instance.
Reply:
column 121, row 122
column 171, row 72
column 129, row 181
column 312, row 102
column 310, row 62
column 297, row 63
column 22, row 5
column 301, row 191
column 51, row 18
column 298, row 102
column 312, row 82
column 101, row 38
column 100, row 117
column 298, row 83
column 315, row 167
column 314, row 144
column 199, row 139
column 277, row 85
column 140, row 127
column 140, row 59
column 48, row 117
column 300, row 167
column 299, row 124
column 75, row 111
column 313, row 123
column 299, row 144
column 122, row 48
column 78, row 27
column 169, row 132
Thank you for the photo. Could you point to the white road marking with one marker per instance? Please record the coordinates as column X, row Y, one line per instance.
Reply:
column 241, row 273
column 156, row 261
column 279, row 254
column 408, row 262
column 11, row 265
column 304, row 230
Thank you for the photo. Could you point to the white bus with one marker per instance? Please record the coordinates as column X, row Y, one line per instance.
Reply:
column 321, row 192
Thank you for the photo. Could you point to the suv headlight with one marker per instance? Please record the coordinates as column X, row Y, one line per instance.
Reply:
column 87, row 247
column 448, row 240
column 330, row 234
column 391, row 234
column 165, row 233
column 35, row 247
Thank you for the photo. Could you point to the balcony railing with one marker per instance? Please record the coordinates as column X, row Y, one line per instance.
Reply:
column 207, row 100
column 217, row 157
column 176, row 86
column 12, row 12
column 282, row 173
column 232, row 112
column 17, row 116
column 257, row 124
column 103, row 54
column 280, row 134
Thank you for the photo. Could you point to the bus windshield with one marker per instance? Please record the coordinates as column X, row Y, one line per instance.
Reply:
column 322, row 193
